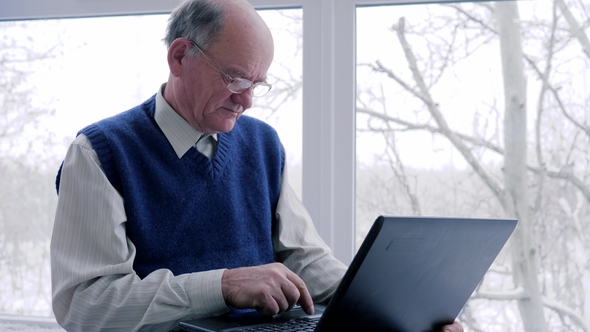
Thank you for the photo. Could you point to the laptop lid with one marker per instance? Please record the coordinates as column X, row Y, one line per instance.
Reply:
column 410, row 274
column 415, row 273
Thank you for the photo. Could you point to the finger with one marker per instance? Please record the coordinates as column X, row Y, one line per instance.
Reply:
column 266, row 305
column 281, row 295
column 290, row 292
column 455, row 327
column 304, row 300
column 284, row 297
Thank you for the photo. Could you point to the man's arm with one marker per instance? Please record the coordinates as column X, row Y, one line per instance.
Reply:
column 306, row 273
column 94, row 284
column 298, row 245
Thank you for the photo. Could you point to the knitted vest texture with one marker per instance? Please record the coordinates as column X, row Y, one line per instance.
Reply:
column 194, row 213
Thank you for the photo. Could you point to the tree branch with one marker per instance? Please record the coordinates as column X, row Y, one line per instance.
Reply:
column 540, row 104
column 399, row 80
column 520, row 293
column 564, row 310
column 439, row 118
column 515, row 294
column 567, row 175
column 555, row 93
column 562, row 174
column 575, row 28
column 435, row 130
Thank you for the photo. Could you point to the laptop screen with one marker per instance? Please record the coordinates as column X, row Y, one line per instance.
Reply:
column 415, row 273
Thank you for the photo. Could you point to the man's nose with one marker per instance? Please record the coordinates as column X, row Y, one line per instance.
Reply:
column 244, row 99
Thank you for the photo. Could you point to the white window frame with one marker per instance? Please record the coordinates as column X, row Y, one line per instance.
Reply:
column 329, row 93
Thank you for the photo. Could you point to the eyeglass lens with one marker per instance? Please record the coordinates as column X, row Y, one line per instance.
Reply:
column 241, row 85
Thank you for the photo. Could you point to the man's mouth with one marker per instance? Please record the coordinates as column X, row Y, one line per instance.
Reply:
column 233, row 111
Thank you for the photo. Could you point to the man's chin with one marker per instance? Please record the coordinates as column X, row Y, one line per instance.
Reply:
column 224, row 121
column 226, row 125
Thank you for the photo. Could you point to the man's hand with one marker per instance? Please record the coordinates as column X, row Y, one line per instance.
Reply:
column 455, row 327
column 271, row 289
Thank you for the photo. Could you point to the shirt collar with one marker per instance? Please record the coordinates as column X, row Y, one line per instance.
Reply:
column 181, row 135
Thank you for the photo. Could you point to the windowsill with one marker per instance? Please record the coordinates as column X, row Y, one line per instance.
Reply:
column 27, row 323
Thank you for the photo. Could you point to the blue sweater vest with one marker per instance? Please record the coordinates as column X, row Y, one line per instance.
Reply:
column 194, row 213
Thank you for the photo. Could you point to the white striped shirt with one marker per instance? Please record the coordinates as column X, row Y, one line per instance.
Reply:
column 94, row 284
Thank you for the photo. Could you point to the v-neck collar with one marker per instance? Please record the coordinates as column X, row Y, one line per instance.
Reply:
column 181, row 135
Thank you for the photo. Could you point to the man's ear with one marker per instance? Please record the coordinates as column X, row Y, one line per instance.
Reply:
column 179, row 49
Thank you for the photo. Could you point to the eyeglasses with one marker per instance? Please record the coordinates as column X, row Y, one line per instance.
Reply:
column 237, row 84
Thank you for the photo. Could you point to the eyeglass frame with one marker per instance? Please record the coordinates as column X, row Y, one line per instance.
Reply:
column 229, row 80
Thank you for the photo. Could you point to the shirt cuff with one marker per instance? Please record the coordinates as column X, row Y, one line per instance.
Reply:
column 205, row 293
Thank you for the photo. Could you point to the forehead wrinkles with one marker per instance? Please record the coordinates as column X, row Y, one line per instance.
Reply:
column 243, row 55
column 239, row 62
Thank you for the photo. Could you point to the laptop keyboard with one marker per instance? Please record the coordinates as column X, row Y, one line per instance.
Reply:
column 295, row 325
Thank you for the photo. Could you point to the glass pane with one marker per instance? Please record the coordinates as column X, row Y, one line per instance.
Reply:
column 282, row 106
column 451, row 98
column 57, row 76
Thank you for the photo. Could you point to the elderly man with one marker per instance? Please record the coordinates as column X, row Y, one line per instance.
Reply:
column 180, row 208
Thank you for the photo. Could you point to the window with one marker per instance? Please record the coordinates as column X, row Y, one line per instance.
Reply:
column 437, row 136
column 61, row 75
column 357, row 119
column 281, row 107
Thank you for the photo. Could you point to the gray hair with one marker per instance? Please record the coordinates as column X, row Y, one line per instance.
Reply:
column 198, row 20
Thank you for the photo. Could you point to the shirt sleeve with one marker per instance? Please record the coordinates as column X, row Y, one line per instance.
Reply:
column 94, row 284
column 298, row 245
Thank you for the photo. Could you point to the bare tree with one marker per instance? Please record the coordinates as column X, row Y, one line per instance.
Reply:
column 539, row 176
column 19, row 117
column 516, row 202
column 26, row 195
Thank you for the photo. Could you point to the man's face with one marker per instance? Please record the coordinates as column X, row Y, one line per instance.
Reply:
column 240, row 52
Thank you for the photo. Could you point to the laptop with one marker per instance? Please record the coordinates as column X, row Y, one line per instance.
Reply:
column 410, row 274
